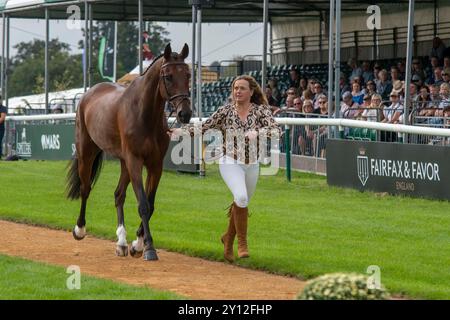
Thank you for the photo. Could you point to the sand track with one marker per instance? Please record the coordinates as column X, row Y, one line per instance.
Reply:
column 192, row 277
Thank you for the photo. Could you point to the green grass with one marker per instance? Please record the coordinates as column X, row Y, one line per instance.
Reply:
column 23, row 279
column 304, row 228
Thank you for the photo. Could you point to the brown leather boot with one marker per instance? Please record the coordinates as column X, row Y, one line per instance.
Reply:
column 228, row 237
column 240, row 221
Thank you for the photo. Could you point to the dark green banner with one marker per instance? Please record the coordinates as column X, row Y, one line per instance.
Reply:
column 45, row 142
column 408, row 169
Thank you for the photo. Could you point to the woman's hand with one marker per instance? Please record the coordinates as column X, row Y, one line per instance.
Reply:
column 174, row 133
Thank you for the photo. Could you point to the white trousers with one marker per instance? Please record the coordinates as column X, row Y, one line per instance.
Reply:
column 240, row 178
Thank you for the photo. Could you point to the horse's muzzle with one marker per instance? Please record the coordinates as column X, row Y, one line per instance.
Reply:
column 184, row 116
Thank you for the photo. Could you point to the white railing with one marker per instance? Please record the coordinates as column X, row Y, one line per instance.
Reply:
column 341, row 123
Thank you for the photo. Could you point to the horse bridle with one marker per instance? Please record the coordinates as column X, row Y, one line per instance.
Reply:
column 183, row 96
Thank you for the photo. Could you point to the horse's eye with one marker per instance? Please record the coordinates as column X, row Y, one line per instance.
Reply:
column 168, row 77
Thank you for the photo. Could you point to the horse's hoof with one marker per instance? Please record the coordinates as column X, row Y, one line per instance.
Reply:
column 121, row 251
column 150, row 255
column 76, row 236
column 134, row 253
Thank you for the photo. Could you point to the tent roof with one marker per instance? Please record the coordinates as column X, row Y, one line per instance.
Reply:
column 181, row 11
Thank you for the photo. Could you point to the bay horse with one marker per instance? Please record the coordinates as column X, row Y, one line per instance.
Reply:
column 130, row 124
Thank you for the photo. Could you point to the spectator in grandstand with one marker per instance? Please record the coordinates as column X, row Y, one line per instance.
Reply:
column 294, row 78
column 446, row 63
column 365, row 105
column 434, row 62
column 376, row 72
column 423, row 104
column 311, row 84
column 392, row 113
column 371, row 112
column 446, row 75
column 401, row 66
column 270, row 99
column 384, row 86
column 303, row 84
column 395, row 74
column 437, row 120
column 447, row 120
column 307, row 95
column 434, row 95
column 435, row 77
column 356, row 70
column 366, row 73
column 306, row 136
column 298, row 105
column 319, row 98
column 273, row 84
column 318, row 91
column 3, row 112
column 321, row 133
column 398, row 87
column 417, row 73
column 438, row 48
column 357, row 94
column 349, row 108
column 56, row 108
column 343, row 85
column 371, row 88
column 413, row 91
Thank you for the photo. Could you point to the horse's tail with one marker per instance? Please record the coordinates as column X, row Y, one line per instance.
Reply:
column 73, row 177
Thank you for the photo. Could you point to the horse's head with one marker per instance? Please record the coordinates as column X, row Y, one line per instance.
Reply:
column 174, row 84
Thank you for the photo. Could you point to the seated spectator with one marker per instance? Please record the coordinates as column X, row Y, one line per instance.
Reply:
column 322, row 102
column 384, row 86
column 306, row 136
column 307, row 95
column 376, row 72
column 294, row 78
column 364, row 106
column 273, row 84
column 343, row 84
column 401, row 69
column 318, row 91
column 435, row 77
column 318, row 99
column 298, row 105
column 395, row 74
column 356, row 71
column 349, row 108
column 417, row 80
column 398, row 86
column 371, row 88
column 438, row 48
column 357, row 94
column 445, row 103
column 311, row 84
column 434, row 62
column 367, row 75
column 446, row 75
column 392, row 113
column 446, row 63
column 413, row 92
column 303, row 84
column 371, row 113
column 270, row 99
column 292, row 92
column 417, row 71
column 423, row 101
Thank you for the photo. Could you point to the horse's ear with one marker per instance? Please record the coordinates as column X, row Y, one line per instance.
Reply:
column 184, row 52
column 167, row 52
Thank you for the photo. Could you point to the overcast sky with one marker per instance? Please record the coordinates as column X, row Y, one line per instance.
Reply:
column 219, row 41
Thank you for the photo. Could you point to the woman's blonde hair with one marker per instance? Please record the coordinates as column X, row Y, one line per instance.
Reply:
column 258, row 96
column 375, row 96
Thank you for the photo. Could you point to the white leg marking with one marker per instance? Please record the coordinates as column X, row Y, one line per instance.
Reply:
column 122, row 236
column 138, row 244
column 80, row 232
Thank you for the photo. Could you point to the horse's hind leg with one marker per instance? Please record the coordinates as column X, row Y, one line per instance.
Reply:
column 85, row 166
column 119, row 194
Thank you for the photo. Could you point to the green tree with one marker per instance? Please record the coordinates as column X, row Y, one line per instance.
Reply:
column 27, row 68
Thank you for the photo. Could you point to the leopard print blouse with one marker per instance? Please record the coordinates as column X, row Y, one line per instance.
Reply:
column 226, row 119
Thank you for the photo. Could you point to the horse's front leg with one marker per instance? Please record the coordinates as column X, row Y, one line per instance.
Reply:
column 135, row 169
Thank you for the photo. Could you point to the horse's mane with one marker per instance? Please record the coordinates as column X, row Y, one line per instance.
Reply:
column 151, row 64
